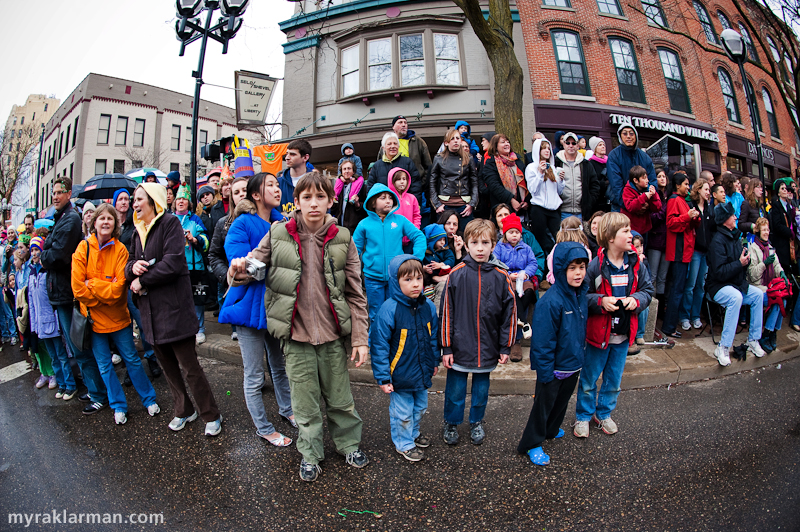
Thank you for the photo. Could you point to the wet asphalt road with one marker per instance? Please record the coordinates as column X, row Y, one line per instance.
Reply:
column 716, row 455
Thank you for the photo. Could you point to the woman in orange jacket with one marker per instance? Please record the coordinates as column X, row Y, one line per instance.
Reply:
column 98, row 282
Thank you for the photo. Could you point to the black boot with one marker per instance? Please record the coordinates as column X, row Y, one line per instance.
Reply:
column 127, row 380
column 155, row 369
column 773, row 340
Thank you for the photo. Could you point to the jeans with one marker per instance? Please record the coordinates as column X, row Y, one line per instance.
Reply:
column 252, row 343
column 643, row 315
column 695, row 287
column 201, row 318
column 565, row 215
column 137, row 317
column 86, row 361
column 455, row 396
column 774, row 319
column 796, row 315
column 658, row 269
column 7, row 327
column 61, row 368
column 405, row 412
column 123, row 339
column 731, row 298
column 610, row 362
column 678, row 283
column 377, row 293
column 462, row 220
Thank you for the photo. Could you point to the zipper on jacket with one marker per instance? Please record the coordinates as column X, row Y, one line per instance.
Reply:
column 330, row 261
column 479, row 315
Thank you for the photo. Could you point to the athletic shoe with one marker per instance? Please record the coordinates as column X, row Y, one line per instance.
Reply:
column 14, row 340
column 721, row 352
column 634, row 350
column 52, row 383
column 450, row 434
column 85, row 398
column 178, row 423
column 581, row 429
column 309, row 472
column 93, row 408
column 526, row 331
column 412, row 455
column 697, row 324
column 200, row 338
column 116, row 359
column 357, row 458
column 41, row 381
column 607, row 425
column 640, row 341
column 153, row 409
column 423, row 442
column 235, row 336
column 764, row 343
column 214, row 427
column 60, row 393
column 120, row 418
column 755, row 348
column 685, row 325
column 476, row 433
column 69, row 394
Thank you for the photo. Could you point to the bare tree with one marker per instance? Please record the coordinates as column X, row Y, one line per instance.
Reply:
column 17, row 155
column 495, row 33
column 149, row 157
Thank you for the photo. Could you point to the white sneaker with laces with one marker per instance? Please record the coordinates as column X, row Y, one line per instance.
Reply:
column 721, row 352
column 116, row 359
column 120, row 418
column 697, row 324
column 754, row 347
column 153, row 409
column 581, row 429
column 201, row 338
column 214, row 427
column 685, row 325
column 235, row 336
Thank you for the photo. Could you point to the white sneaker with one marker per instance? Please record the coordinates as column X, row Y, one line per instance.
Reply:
column 721, row 352
column 581, row 429
column 116, row 359
column 697, row 324
column 178, row 423
column 685, row 325
column 754, row 347
column 200, row 337
column 153, row 409
column 120, row 418
column 235, row 336
column 214, row 427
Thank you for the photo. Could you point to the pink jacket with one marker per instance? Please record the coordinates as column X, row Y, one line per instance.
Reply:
column 409, row 206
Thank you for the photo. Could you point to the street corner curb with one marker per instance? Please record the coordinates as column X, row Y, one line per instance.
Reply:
column 219, row 350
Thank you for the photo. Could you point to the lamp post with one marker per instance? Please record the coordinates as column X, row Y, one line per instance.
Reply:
column 737, row 51
column 188, row 30
column 39, row 169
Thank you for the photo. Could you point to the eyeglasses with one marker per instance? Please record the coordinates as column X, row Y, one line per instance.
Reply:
column 570, row 143
column 59, row 192
column 628, row 134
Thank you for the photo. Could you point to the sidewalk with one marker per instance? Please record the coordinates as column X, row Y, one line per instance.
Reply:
column 692, row 359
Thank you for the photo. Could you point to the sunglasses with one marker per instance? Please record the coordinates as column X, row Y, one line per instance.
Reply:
column 571, row 143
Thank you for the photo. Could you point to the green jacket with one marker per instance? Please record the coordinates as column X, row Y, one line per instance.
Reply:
column 286, row 269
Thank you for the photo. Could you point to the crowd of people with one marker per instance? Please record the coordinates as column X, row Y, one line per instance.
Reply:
column 418, row 261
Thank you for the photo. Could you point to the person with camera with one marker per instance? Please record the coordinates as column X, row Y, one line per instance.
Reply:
column 545, row 188
column 244, row 306
column 728, row 260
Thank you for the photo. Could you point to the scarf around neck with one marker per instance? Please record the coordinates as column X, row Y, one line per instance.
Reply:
column 769, row 269
column 602, row 160
column 508, row 170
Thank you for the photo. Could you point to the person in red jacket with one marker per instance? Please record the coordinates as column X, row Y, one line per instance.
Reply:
column 681, row 222
column 639, row 200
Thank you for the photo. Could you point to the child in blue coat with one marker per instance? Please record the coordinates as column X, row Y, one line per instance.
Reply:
column 379, row 239
column 405, row 354
column 557, row 350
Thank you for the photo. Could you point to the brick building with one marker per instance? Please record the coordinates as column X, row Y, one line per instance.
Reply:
column 595, row 63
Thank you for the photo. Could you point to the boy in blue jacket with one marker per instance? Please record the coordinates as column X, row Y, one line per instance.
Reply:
column 405, row 354
column 558, row 348
column 379, row 239
column 349, row 154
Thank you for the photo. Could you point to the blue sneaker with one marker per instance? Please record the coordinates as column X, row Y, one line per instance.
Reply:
column 560, row 433
column 538, row 457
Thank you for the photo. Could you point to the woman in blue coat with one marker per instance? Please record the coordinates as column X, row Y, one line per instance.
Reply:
column 244, row 307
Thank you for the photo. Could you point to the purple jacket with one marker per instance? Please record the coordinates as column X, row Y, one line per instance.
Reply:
column 519, row 258
column 657, row 237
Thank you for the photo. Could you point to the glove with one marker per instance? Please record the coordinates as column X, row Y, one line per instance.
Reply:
column 770, row 259
column 783, row 276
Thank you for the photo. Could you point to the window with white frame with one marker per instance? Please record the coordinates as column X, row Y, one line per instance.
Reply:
column 103, row 129
column 380, row 64
column 448, row 71
column 202, row 140
column 557, row 3
column 138, row 133
column 412, row 60
column 122, row 131
column 350, row 71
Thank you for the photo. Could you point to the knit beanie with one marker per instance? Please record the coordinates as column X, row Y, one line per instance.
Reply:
column 395, row 119
column 37, row 242
column 205, row 189
column 434, row 233
column 488, row 135
column 593, row 142
column 174, row 176
column 25, row 238
column 512, row 221
column 116, row 196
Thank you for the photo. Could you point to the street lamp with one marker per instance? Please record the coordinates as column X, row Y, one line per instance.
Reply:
column 736, row 50
column 188, row 30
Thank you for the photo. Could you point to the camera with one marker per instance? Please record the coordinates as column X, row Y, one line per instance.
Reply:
column 256, row 269
column 547, row 166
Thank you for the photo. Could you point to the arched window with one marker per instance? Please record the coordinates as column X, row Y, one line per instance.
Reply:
column 673, row 75
column 776, row 56
column 723, row 21
column 654, row 13
column 751, row 50
column 705, row 21
column 729, row 96
column 773, row 121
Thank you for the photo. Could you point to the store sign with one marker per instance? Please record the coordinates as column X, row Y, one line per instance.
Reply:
column 666, row 127
column 766, row 153
column 253, row 96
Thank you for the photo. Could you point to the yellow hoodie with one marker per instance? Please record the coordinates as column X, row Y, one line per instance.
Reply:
column 159, row 195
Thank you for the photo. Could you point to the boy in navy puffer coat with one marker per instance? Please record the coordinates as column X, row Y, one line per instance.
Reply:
column 405, row 354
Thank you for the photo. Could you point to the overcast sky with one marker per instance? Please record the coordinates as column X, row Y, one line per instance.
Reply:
column 51, row 45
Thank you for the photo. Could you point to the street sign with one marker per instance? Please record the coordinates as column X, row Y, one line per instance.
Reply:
column 253, row 96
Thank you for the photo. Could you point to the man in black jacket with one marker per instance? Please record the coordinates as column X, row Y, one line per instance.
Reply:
column 581, row 187
column 61, row 243
column 727, row 283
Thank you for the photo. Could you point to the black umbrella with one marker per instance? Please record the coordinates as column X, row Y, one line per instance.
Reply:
column 103, row 186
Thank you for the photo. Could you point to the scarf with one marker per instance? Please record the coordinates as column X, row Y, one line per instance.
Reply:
column 355, row 188
column 769, row 270
column 509, row 172
column 225, row 204
column 182, row 213
column 386, row 158
column 602, row 160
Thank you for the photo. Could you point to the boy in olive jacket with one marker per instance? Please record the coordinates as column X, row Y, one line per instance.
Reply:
column 312, row 305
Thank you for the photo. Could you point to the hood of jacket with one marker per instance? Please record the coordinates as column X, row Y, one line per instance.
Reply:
column 563, row 254
column 345, row 146
column 537, row 145
column 158, row 193
column 557, row 141
column 619, row 137
column 391, row 184
column 562, row 156
column 377, row 190
column 410, row 134
column 394, row 283
column 464, row 123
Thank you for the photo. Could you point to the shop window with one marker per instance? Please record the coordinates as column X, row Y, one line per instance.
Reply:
column 380, row 64
column 138, row 133
column 752, row 95
column 751, row 50
column 773, row 121
column 728, row 95
column 734, row 164
column 122, row 131
column 350, row 83
column 571, row 66
column 723, row 21
column 630, row 84
column 708, row 157
column 610, row 7
column 557, row 3
column 175, row 143
column 673, row 75
column 103, row 129
column 448, row 71
column 99, row 166
column 705, row 21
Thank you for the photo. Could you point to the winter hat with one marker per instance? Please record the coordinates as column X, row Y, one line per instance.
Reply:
column 488, row 135
column 174, row 176
column 37, row 242
column 205, row 189
column 25, row 238
column 398, row 117
column 594, row 142
column 512, row 221
column 777, row 184
column 116, row 196
column 723, row 211
column 89, row 206
column 183, row 193
column 348, row 145
column 149, row 174
column 434, row 233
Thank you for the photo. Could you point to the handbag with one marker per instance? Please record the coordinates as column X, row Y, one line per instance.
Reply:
column 80, row 331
